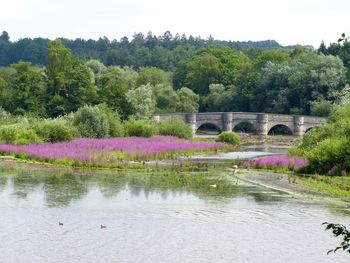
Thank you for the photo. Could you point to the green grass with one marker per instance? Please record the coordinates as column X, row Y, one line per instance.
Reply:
column 338, row 186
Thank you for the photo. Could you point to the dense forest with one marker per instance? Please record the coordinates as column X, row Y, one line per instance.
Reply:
column 169, row 73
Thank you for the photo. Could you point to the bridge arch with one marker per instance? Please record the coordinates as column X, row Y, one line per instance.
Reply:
column 263, row 123
column 308, row 129
column 208, row 128
column 280, row 129
column 244, row 126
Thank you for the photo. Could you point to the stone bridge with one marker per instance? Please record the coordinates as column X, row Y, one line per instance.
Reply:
column 261, row 123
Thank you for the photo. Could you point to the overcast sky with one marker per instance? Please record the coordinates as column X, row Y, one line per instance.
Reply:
column 286, row 21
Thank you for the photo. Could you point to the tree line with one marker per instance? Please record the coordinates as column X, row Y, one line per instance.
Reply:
column 163, row 51
column 209, row 75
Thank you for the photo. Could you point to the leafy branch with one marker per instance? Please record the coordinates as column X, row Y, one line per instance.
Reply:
column 343, row 39
column 339, row 230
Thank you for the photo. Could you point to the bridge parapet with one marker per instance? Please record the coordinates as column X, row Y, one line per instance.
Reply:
column 262, row 122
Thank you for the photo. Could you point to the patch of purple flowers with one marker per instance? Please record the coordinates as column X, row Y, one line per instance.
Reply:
column 275, row 161
column 88, row 149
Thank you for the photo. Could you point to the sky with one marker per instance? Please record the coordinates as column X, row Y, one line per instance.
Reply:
column 289, row 22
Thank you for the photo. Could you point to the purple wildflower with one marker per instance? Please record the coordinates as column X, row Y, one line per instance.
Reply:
column 278, row 161
column 98, row 150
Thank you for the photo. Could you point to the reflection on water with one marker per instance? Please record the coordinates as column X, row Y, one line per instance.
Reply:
column 157, row 217
column 60, row 190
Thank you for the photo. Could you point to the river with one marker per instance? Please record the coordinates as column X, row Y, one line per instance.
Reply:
column 158, row 217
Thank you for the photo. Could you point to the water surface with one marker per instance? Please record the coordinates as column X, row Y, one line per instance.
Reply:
column 173, row 217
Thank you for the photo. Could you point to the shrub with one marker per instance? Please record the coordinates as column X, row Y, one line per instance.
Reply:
column 229, row 138
column 331, row 156
column 176, row 128
column 328, row 147
column 55, row 130
column 116, row 128
column 140, row 128
column 18, row 134
column 5, row 117
column 91, row 122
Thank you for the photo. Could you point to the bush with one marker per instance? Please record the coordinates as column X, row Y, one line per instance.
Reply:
column 116, row 128
column 18, row 134
column 229, row 138
column 331, row 156
column 91, row 122
column 55, row 130
column 140, row 128
column 328, row 147
column 176, row 128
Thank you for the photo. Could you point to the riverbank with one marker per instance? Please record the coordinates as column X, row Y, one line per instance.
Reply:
column 334, row 189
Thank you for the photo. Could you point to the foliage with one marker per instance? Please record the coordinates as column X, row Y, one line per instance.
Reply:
column 140, row 128
column 290, row 87
column 141, row 101
column 97, row 69
column 331, row 156
column 163, row 51
column 91, row 122
column 116, row 128
column 176, row 128
column 55, row 130
column 212, row 65
column 321, row 108
column 189, row 101
column 18, row 134
column 271, row 55
column 29, row 89
column 338, row 186
column 170, row 74
column 153, row 76
column 327, row 147
column 220, row 98
column 339, row 230
column 167, row 99
column 70, row 83
column 5, row 117
column 229, row 138
column 113, row 90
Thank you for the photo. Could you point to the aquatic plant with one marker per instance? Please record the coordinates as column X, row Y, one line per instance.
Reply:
column 339, row 230
column 111, row 149
column 278, row 161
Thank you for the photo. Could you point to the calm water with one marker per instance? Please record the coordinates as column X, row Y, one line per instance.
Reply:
column 158, row 218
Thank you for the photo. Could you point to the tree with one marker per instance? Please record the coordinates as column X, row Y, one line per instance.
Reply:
column 344, row 54
column 80, row 89
column 274, row 56
column 70, row 82
column 4, row 48
column 97, row 69
column 153, row 76
column 202, row 71
column 7, row 77
column 167, row 100
column 291, row 87
column 91, row 122
column 114, row 87
column 212, row 65
column 213, row 102
column 220, row 98
column 189, row 101
column 322, row 49
column 29, row 88
column 142, row 101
